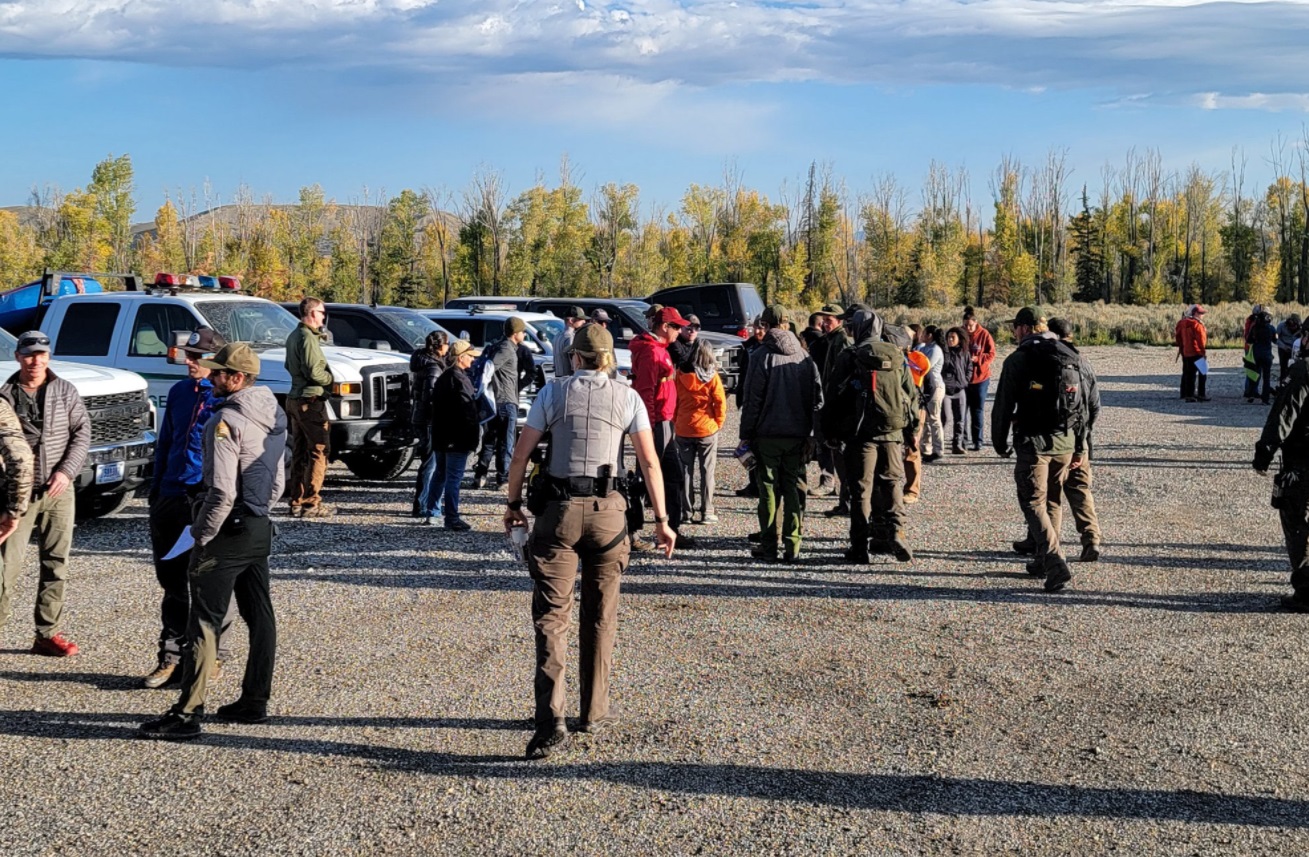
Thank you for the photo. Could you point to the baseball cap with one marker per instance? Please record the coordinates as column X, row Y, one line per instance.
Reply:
column 576, row 313
column 653, row 308
column 33, row 342
column 204, row 340
column 1026, row 316
column 463, row 346
column 851, row 310
column 832, row 309
column 600, row 316
column 1199, row 310
column 234, row 357
column 593, row 339
column 693, row 320
column 774, row 315
column 668, row 315
column 514, row 324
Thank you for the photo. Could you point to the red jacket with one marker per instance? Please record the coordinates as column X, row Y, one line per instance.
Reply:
column 1191, row 337
column 981, row 347
column 654, row 378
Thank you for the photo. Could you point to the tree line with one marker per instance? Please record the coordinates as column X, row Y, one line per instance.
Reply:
column 1138, row 235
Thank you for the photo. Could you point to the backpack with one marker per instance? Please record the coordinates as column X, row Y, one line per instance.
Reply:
column 1053, row 402
column 482, row 374
column 870, row 402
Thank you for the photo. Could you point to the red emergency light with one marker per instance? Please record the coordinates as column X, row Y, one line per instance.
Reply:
column 169, row 279
column 232, row 283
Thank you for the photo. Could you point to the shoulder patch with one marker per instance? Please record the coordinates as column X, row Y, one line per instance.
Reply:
column 222, row 431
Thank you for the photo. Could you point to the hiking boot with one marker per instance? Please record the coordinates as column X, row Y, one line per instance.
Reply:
column 1058, row 576
column 910, row 499
column 641, row 545
column 165, row 675
column 318, row 510
column 1203, row 399
column 1090, row 553
column 822, row 489
column 171, row 727
column 1036, row 568
column 599, row 724
column 242, row 712
column 57, row 646
column 767, row 554
column 958, row 450
column 900, row 549
column 546, row 743
column 755, row 538
column 840, row 510
column 1190, row 400
column 296, row 511
column 747, row 491
column 709, row 518
column 1026, row 547
column 1295, row 603
column 857, row 556
column 459, row 525
column 479, row 481
column 931, row 457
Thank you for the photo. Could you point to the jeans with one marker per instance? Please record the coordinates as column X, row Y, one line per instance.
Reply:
column 1262, row 386
column 957, row 407
column 976, row 394
column 452, row 466
column 498, row 441
column 431, row 482
column 698, row 453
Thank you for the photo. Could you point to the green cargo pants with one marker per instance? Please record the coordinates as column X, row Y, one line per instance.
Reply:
column 780, row 472
column 52, row 519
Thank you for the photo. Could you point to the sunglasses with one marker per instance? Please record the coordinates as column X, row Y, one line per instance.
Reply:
column 34, row 340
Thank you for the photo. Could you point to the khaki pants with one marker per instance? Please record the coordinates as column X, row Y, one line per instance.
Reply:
column 1040, row 481
column 594, row 531
column 310, row 434
column 52, row 519
column 1077, row 488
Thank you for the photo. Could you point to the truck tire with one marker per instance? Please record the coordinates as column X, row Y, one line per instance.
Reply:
column 379, row 466
column 100, row 505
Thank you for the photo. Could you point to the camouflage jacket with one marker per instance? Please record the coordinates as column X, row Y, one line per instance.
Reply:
column 15, row 463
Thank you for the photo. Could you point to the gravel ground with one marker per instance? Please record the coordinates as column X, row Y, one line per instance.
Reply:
column 949, row 706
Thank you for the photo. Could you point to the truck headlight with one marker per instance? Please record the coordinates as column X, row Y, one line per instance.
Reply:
column 350, row 408
column 347, row 389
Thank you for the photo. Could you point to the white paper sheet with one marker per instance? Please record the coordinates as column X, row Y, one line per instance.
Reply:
column 1202, row 366
column 185, row 542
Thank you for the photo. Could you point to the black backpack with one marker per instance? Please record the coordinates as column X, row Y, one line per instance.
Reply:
column 1053, row 401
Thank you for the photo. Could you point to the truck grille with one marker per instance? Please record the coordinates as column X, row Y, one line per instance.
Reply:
column 117, row 417
column 386, row 395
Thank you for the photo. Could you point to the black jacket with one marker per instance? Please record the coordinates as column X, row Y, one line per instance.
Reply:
column 424, row 369
column 956, row 369
column 1287, row 427
column 826, row 349
column 454, row 413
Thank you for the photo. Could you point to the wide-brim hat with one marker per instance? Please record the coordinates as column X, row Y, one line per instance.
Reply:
column 234, row 357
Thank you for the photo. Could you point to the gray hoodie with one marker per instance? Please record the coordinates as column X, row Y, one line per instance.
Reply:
column 245, row 443
column 782, row 389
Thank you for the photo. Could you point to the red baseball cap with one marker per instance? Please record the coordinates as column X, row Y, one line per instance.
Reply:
column 668, row 315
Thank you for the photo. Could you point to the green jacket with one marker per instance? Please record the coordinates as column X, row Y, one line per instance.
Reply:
column 1014, row 380
column 306, row 363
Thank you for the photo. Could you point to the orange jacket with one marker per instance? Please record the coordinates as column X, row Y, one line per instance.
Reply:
column 701, row 405
column 1190, row 337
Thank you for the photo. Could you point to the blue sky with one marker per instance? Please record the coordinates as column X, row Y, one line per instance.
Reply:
column 388, row 94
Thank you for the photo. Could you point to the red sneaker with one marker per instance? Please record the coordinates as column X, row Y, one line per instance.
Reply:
column 57, row 646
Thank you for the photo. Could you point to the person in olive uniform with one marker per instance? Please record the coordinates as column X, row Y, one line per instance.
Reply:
column 585, row 519
column 306, row 408
column 1287, row 429
column 245, row 441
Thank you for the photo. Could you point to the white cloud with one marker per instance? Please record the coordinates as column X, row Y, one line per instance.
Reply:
column 1180, row 49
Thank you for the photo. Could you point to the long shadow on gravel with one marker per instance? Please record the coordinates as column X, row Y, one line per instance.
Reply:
column 808, row 587
column 909, row 793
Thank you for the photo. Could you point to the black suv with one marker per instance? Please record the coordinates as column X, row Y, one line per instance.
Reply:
column 721, row 307
column 385, row 328
column 627, row 321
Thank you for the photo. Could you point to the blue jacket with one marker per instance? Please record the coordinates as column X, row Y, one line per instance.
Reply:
column 179, row 450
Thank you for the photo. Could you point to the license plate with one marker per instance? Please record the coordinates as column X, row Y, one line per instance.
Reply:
column 109, row 472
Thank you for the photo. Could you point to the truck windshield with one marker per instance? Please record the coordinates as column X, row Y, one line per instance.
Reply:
column 262, row 324
column 8, row 345
column 547, row 328
column 412, row 326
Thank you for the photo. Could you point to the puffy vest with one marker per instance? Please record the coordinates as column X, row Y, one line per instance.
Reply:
column 586, row 425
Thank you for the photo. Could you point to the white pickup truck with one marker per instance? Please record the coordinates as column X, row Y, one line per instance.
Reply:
column 122, row 430
column 134, row 329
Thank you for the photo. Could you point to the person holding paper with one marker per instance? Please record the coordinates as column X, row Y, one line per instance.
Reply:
column 178, row 459
column 1191, row 338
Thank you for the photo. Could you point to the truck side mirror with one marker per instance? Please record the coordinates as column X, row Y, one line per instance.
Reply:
column 176, row 355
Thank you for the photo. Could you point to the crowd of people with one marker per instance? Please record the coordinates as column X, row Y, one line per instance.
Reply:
column 870, row 401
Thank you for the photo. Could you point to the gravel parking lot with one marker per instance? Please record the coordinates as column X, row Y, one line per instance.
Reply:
column 948, row 706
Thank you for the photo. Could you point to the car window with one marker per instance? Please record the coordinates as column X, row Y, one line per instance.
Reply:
column 751, row 303
column 471, row 329
column 87, row 330
column 260, row 323
column 152, row 331
column 548, row 328
column 8, row 345
column 357, row 330
column 413, row 327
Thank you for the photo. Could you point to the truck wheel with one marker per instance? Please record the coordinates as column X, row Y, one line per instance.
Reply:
column 379, row 466
column 100, row 505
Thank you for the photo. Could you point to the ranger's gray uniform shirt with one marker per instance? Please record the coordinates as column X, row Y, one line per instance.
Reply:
column 563, row 360
column 244, row 443
column 587, row 415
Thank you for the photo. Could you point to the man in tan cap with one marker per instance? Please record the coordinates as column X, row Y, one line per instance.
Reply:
column 244, row 446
